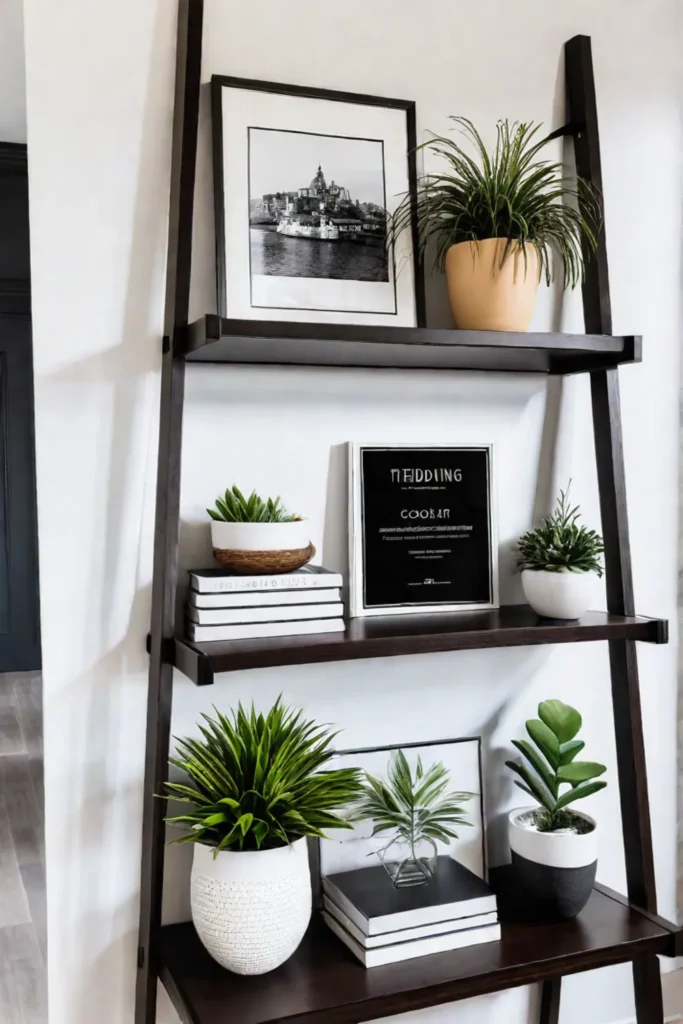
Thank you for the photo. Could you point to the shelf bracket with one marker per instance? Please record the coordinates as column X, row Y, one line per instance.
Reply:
column 573, row 128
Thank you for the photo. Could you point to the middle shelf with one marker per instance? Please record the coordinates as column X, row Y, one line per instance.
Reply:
column 513, row 625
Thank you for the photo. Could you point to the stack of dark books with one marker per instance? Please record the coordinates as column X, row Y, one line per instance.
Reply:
column 223, row 606
column 381, row 924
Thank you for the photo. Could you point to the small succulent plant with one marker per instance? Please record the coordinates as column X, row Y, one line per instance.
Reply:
column 550, row 763
column 559, row 544
column 233, row 507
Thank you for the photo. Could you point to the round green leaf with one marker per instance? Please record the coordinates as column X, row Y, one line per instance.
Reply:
column 563, row 720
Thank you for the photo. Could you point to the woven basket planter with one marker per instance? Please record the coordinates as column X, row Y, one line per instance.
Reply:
column 261, row 548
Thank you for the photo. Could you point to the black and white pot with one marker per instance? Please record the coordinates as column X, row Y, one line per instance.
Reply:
column 554, row 870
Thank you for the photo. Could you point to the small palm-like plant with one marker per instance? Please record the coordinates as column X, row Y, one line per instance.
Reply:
column 559, row 544
column 414, row 810
column 507, row 192
column 257, row 782
column 549, row 764
column 233, row 507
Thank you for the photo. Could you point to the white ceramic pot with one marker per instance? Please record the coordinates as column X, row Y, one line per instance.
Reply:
column 251, row 910
column 559, row 595
column 554, row 870
column 260, row 536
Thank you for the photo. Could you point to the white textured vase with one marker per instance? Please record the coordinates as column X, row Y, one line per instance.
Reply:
column 559, row 595
column 251, row 909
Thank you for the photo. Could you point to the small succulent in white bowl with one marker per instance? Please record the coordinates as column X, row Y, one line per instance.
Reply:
column 250, row 535
column 560, row 563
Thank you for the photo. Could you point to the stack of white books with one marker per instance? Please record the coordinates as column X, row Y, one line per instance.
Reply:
column 381, row 924
column 223, row 606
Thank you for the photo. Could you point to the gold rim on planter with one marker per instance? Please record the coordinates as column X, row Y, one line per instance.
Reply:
column 262, row 562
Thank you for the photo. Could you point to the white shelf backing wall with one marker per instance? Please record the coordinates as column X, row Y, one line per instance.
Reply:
column 100, row 86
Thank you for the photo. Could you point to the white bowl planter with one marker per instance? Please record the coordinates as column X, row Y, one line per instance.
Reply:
column 262, row 547
column 554, row 870
column 251, row 909
column 559, row 595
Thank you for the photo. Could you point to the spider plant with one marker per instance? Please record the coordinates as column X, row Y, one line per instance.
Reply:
column 412, row 808
column 256, row 782
column 508, row 192
column 233, row 507
column 559, row 544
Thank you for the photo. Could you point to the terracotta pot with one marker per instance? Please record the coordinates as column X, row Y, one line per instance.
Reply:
column 486, row 296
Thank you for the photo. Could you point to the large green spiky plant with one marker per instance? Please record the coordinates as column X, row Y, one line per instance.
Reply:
column 413, row 807
column 256, row 782
column 559, row 544
column 549, row 764
column 233, row 507
column 509, row 192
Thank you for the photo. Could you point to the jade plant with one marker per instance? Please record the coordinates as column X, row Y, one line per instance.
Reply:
column 233, row 507
column 560, row 544
column 507, row 191
column 257, row 782
column 550, row 772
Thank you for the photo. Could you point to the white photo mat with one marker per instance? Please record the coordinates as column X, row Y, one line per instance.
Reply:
column 357, row 604
column 243, row 118
column 346, row 850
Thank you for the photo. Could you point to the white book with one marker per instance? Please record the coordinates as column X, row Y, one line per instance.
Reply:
column 406, row 934
column 263, row 598
column 215, row 581
column 279, row 613
column 399, row 951
column 259, row 630
column 368, row 898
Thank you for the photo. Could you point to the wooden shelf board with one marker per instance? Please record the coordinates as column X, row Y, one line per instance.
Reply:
column 213, row 339
column 323, row 983
column 386, row 636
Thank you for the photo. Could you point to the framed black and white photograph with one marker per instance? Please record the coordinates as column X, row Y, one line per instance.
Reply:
column 347, row 849
column 305, row 181
column 422, row 528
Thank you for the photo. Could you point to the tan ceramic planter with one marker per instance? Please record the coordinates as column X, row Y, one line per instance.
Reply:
column 485, row 296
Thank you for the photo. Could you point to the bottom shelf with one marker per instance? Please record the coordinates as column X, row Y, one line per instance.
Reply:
column 323, row 983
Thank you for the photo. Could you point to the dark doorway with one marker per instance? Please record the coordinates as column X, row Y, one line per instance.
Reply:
column 19, row 602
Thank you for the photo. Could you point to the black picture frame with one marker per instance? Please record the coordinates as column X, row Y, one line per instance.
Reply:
column 219, row 82
column 315, row 847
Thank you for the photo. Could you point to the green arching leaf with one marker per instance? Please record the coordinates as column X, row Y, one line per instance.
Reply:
column 578, row 792
column 568, row 751
column 545, row 740
column 533, row 784
column 563, row 720
column 559, row 544
column 538, row 764
column 580, row 771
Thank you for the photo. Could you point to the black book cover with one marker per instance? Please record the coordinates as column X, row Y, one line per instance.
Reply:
column 371, row 890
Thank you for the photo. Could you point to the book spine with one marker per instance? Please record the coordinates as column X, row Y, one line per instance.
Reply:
column 262, row 630
column 242, row 584
column 264, row 599
column 280, row 613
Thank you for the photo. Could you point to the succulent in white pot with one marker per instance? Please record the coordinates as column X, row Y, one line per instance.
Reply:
column 554, row 847
column 250, row 535
column 258, row 786
column 560, row 563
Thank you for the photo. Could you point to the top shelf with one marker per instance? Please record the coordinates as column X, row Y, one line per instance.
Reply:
column 214, row 339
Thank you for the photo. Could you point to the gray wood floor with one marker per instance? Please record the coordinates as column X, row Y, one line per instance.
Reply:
column 23, row 925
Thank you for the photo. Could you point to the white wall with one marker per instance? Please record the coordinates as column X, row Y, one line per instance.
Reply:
column 99, row 110
column 12, row 72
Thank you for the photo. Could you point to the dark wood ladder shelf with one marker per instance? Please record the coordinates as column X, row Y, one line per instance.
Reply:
column 213, row 339
column 513, row 625
column 324, row 984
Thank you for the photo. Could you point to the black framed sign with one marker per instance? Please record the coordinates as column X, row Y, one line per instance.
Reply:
column 423, row 532
column 304, row 183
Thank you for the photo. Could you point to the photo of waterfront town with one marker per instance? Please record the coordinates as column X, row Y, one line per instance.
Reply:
column 317, row 206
